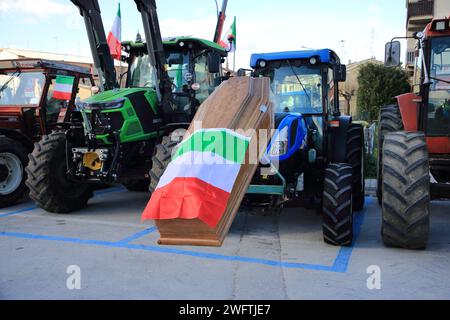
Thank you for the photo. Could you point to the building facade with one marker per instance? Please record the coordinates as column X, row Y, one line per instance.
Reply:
column 348, row 91
column 419, row 14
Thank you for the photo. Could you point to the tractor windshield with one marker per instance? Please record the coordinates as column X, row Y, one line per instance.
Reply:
column 179, row 70
column 21, row 88
column 297, row 89
column 439, row 96
column 142, row 72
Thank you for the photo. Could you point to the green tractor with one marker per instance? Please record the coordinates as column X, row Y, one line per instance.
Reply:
column 112, row 136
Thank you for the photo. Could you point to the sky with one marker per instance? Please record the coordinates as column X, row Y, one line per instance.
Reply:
column 355, row 29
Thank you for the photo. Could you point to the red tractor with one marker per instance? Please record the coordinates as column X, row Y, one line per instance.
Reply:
column 35, row 96
column 414, row 136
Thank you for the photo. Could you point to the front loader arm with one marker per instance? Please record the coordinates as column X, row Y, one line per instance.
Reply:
column 103, row 62
column 155, row 48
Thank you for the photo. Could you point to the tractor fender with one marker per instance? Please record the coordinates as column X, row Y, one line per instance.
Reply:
column 337, row 137
column 18, row 136
column 409, row 109
column 297, row 135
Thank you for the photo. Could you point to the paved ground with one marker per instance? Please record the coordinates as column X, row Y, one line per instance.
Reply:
column 264, row 257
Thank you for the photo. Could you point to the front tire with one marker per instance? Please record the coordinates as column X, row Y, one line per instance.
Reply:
column 13, row 160
column 337, row 205
column 390, row 120
column 406, row 191
column 47, row 178
column 355, row 158
column 162, row 157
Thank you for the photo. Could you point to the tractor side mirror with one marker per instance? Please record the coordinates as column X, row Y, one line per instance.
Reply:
column 392, row 54
column 213, row 60
column 341, row 74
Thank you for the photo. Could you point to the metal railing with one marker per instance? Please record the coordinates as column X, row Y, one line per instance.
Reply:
column 420, row 8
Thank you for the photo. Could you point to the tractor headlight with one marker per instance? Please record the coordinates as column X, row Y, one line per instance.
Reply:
column 440, row 25
column 107, row 105
column 278, row 148
column 280, row 144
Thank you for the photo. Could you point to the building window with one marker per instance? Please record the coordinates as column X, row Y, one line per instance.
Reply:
column 410, row 57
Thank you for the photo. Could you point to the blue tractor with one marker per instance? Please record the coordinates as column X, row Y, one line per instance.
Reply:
column 315, row 159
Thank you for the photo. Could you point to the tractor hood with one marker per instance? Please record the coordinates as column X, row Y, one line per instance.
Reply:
column 111, row 95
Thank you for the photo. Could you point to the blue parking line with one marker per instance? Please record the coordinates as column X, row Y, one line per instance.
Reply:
column 343, row 258
column 204, row 255
column 340, row 264
column 138, row 235
column 17, row 211
column 96, row 193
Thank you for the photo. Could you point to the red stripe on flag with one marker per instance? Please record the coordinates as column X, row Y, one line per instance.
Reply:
column 187, row 198
column 115, row 46
column 59, row 95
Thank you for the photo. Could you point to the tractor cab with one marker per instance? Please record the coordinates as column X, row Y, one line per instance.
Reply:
column 436, row 55
column 304, row 85
column 427, row 107
column 36, row 94
column 193, row 66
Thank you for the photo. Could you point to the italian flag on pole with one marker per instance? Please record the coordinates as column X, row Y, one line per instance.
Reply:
column 228, row 41
column 63, row 87
column 115, row 36
column 198, row 181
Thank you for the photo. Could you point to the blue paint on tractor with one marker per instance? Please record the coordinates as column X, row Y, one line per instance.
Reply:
column 323, row 54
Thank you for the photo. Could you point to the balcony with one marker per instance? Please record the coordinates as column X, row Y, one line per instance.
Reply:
column 420, row 8
column 419, row 14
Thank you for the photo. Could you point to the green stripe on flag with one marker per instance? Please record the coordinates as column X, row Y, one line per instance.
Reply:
column 228, row 145
column 64, row 79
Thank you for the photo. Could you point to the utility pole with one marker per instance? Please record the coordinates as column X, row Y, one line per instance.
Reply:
column 372, row 43
column 342, row 49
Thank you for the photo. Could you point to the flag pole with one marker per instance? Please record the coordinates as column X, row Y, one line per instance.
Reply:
column 234, row 61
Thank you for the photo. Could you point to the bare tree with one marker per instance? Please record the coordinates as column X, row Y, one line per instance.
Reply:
column 347, row 94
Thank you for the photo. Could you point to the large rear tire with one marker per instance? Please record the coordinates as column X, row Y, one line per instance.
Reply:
column 337, row 205
column 406, row 190
column 13, row 160
column 355, row 158
column 47, row 179
column 390, row 120
column 160, row 160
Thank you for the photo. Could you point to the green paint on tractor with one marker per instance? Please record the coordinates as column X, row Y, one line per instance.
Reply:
column 131, row 129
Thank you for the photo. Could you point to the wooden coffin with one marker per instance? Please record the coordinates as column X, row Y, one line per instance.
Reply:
column 239, row 103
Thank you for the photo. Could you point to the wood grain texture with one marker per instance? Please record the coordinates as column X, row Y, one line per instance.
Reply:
column 235, row 104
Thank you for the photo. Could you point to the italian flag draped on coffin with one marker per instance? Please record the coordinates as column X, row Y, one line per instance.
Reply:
column 198, row 181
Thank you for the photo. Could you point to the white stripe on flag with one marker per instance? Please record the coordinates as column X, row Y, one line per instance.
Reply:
column 61, row 87
column 116, row 29
column 206, row 166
